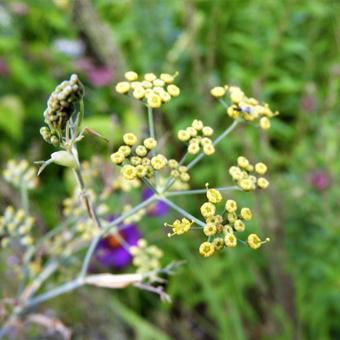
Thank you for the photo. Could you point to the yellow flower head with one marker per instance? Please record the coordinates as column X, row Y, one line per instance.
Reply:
column 150, row 77
column 208, row 149
column 122, row 87
column 126, row 150
column 239, row 225
column 264, row 123
column 150, row 143
column 213, row 195
column 139, row 92
column 208, row 209
column 260, row 168
column 262, row 183
column 218, row 243
column 246, row 214
column 207, row 131
column 230, row 240
column 242, row 162
column 154, row 100
column 167, row 78
column 230, row 206
column 131, row 76
column 173, row 90
column 255, row 242
column 209, row 229
column 158, row 162
column 206, row 249
column 183, row 135
column 117, row 157
column 129, row 172
column 217, row 92
column 193, row 148
column 130, row 138
column 197, row 124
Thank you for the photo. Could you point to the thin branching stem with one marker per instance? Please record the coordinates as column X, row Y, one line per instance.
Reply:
column 183, row 212
column 199, row 191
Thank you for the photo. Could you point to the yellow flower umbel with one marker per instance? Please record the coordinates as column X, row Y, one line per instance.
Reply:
column 245, row 174
column 179, row 227
column 135, row 159
column 152, row 90
column 243, row 107
column 198, row 137
column 221, row 228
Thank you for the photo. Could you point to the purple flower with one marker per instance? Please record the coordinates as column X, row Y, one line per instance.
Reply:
column 98, row 76
column 111, row 253
column 320, row 180
column 156, row 209
column 3, row 67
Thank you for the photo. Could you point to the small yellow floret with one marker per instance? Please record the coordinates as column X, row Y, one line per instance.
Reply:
column 217, row 92
column 209, row 229
column 260, row 168
column 213, row 195
column 262, row 183
column 131, row 76
column 130, row 138
column 246, row 214
column 122, row 87
column 230, row 240
column 173, row 90
column 208, row 209
column 206, row 249
column 230, row 206
column 264, row 123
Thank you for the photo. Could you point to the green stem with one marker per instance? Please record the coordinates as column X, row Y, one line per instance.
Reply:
column 66, row 287
column 24, row 197
column 151, row 124
column 183, row 212
column 199, row 191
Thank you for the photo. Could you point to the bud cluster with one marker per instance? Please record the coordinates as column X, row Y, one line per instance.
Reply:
column 197, row 135
column 245, row 174
column 146, row 258
column 178, row 172
column 153, row 90
column 15, row 225
column 60, row 107
column 243, row 107
column 179, row 227
column 20, row 173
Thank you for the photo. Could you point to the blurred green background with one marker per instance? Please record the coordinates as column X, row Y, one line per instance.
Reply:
column 283, row 52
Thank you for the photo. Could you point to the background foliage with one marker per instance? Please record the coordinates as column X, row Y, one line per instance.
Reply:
column 284, row 52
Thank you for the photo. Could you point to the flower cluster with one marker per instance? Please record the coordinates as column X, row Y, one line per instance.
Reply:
column 135, row 159
column 243, row 107
column 146, row 258
column 179, row 226
column 221, row 228
column 153, row 90
column 60, row 107
column 20, row 173
column 178, row 172
column 244, row 174
column 197, row 135
column 16, row 225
